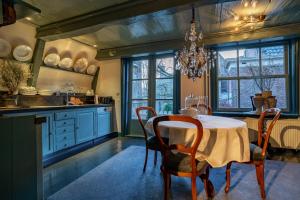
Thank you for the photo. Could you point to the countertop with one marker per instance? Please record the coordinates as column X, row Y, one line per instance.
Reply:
column 12, row 110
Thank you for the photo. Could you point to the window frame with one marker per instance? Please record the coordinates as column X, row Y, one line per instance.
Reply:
column 152, row 82
column 238, row 78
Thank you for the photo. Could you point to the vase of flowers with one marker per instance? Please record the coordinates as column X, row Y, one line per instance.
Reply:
column 11, row 75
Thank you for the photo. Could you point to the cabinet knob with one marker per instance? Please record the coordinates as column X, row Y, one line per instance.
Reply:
column 66, row 115
column 65, row 145
column 65, row 123
column 65, row 138
column 64, row 130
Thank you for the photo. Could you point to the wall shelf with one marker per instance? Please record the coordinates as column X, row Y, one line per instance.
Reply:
column 57, row 68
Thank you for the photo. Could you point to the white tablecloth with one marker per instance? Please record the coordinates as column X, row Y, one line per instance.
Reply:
column 224, row 139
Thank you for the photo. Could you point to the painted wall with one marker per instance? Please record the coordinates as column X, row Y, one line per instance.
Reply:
column 19, row 33
column 56, row 79
column 109, row 84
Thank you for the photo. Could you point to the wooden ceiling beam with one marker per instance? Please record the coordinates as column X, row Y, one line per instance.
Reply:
column 91, row 22
column 263, row 35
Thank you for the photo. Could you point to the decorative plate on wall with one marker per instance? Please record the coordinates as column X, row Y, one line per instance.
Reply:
column 92, row 69
column 81, row 65
column 5, row 48
column 23, row 53
column 66, row 63
column 52, row 59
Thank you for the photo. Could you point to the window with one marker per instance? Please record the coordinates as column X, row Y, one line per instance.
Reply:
column 150, row 81
column 243, row 72
column 152, row 84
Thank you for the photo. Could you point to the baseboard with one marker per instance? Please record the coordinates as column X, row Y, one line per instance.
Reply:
column 55, row 157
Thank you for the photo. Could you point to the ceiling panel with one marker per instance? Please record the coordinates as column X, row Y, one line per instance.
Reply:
column 172, row 24
column 57, row 10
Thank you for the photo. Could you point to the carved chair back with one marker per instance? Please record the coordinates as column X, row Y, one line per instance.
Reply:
column 138, row 111
column 263, row 132
column 166, row 148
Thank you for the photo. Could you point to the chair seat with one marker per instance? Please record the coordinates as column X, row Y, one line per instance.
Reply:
column 153, row 143
column 179, row 162
column 255, row 153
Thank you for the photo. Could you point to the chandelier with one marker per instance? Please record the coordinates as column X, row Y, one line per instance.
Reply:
column 192, row 59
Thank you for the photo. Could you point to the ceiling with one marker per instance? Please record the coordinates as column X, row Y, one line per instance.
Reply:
column 166, row 24
column 57, row 10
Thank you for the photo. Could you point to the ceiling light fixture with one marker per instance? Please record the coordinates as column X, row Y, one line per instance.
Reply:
column 192, row 60
column 248, row 20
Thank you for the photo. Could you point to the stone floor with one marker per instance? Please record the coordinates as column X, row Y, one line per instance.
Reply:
column 63, row 173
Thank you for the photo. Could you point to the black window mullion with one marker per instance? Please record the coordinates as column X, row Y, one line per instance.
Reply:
column 238, row 79
column 152, row 82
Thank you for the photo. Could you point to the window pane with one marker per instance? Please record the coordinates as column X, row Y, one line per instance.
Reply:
column 140, row 89
column 227, row 63
column 164, row 107
column 278, row 88
column 135, row 105
column 248, row 88
column 164, row 89
column 273, row 60
column 228, row 93
column 140, row 69
column 249, row 62
column 165, row 67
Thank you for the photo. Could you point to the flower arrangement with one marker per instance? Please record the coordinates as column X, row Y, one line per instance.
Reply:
column 11, row 75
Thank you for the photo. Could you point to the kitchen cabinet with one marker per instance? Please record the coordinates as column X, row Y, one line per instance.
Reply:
column 104, row 123
column 85, row 125
column 47, row 133
column 64, row 129
column 68, row 127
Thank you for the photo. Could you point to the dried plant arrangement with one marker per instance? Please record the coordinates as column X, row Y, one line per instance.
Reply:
column 11, row 75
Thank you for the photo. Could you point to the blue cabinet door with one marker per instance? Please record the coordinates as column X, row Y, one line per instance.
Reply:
column 85, row 126
column 104, row 124
column 47, row 134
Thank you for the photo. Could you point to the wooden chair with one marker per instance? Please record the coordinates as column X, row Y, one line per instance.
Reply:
column 258, row 152
column 151, row 142
column 207, row 107
column 183, row 163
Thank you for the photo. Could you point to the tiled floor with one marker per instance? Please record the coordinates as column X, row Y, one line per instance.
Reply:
column 61, row 174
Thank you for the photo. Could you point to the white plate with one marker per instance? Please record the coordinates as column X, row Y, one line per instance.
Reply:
column 22, row 53
column 52, row 59
column 5, row 48
column 66, row 63
column 92, row 69
column 81, row 65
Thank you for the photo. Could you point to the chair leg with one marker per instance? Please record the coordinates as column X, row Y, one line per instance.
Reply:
column 261, row 179
column 146, row 158
column 155, row 157
column 166, row 185
column 208, row 186
column 194, row 188
column 228, row 177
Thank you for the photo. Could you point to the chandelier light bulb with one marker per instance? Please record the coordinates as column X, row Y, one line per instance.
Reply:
column 236, row 29
column 236, row 17
column 254, row 3
column 246, row 4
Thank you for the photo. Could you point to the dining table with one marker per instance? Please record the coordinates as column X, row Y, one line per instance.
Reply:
column 224, row 139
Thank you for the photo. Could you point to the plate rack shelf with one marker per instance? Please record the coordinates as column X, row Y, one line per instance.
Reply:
column 57, row 68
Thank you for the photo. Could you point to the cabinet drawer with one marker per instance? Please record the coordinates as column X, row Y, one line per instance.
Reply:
column 64, row 141
column 64, row 115
column 64, row 130
column 104, row 109
column 64, row 123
